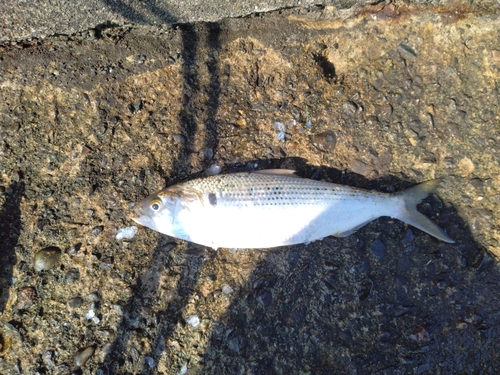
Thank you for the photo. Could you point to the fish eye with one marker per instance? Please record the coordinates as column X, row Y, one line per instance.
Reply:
column 155, row 204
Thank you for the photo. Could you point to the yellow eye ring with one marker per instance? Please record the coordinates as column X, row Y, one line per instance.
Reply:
column 155, row 204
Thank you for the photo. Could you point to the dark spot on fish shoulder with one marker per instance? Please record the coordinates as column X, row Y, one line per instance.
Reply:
column 212, row 199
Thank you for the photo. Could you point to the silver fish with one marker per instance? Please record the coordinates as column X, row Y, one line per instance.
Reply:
column 275, row 207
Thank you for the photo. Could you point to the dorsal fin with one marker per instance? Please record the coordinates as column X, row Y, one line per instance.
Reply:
column 279, row 172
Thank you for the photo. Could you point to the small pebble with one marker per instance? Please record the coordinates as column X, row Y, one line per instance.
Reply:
column 495, row 55
column 226, row 289
column 410, row 237
column 385, row 110
column 442, row 284
column 72, row 275
column 74, row 249
column 75, row 302
column 208, row 153
column 83, row 355
column 233, row 344
column 62, row 369
column 350, row 108
column 359, row 167
column 362, row 267
column 465, row 166
column 118, row 309
column 213, row 170
column 423, row 368
column 365, row 289
column 193, row 321
column 241, row 123
column 47, row 258
column 421, row 335
column 136, row 106
column 91, row 313
column 25, row 297
column 280, row 127
column 150, row 362
column 265, row 282
column 7, row 334
column 325, row 141
column 183, row 370
column 378, row 248
column 265, row 299
column 385, row 336
column 97, row 231
column 107, row 263
column 406, row 51
column 486, row 262
column 179, row 138
column 105, row 351
column 126, row 233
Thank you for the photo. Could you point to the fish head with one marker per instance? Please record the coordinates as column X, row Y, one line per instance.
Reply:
column 161, row 211
column 150, row 210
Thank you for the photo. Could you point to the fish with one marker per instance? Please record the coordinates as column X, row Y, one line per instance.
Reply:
column 275, row 207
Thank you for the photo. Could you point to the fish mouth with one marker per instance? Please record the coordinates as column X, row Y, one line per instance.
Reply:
column 138, row 211
column 142, row 219
column 145, row 221
column 139, row 220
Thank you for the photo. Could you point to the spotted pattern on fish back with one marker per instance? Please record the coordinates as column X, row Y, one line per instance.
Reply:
column 268, row 189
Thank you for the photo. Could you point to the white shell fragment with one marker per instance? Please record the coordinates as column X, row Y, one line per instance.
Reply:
column 280, row 127
column 126, row 233
column 213, row 170
column 150, row 362
column 90, row 314
column 226, row 289
column 83, row 355
column 193, row 321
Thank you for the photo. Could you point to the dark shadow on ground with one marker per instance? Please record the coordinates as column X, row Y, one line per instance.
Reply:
column 10, row 229
column 140, row 16
column 388, row 299
column 121, row 353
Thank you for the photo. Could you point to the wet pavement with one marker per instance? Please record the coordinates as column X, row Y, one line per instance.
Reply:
column 380, row 97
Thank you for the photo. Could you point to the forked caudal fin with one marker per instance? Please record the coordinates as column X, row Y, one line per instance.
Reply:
column 410, row 215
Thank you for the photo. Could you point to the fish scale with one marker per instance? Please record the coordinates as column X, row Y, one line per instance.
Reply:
column 274, row 208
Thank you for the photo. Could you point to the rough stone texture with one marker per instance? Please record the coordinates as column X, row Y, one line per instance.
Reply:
column 94, row 121
column 21, row 20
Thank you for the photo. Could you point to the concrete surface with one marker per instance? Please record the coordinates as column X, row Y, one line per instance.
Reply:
column 95, row 120
column 22, row 20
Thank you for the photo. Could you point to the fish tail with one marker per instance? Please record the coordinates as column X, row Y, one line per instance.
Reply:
column 409, row 214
